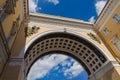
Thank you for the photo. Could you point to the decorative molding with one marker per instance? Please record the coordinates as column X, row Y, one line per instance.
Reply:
column 94, row 37
column 102, row 23
column 9, row 7
column 57, row 20
column 26, row 10
column 16, row 61
column 31, row 30
column 107, row 12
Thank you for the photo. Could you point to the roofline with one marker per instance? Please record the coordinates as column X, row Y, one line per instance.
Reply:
column 101, row 12
column 59, row 18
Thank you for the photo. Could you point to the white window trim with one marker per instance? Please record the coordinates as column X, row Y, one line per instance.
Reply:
column 112, row 41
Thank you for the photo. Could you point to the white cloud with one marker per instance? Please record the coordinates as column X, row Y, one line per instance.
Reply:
column 66, row 63
column 55, row 2
column 56, row 68
column 44, row 65
column 74, row 70
column 92, row 19
column 100, row 5
column 47, row 63
column 33, row 5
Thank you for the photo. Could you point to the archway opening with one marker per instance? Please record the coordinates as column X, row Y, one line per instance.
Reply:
column 57, row 66
column 79, row 48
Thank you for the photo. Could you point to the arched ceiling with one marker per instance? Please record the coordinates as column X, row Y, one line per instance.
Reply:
column 91, row 58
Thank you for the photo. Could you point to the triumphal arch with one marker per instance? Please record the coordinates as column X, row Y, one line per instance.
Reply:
column 25, row 37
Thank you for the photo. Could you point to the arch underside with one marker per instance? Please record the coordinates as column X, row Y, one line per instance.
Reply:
column 90, row 57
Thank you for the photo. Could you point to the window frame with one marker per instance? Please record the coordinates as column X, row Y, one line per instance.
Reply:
column 116, row 42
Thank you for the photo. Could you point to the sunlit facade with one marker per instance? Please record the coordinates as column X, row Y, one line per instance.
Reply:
column 24, row 37
column 108, row 27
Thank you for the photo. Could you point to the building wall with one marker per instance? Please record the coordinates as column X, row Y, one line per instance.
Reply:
column 114, row 29
column 13, row 32
column 11, row 27
column 107, row 22
column 2, row 2
column 10, row 19
column 112, row 74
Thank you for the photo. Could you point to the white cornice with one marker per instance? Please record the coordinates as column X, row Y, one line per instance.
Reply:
column 37, row 17
column 107, row 12
column 58, row 18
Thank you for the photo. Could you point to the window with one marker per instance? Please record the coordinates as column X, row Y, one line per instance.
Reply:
column 116, row 42
column 106, row 31
column 116, row 18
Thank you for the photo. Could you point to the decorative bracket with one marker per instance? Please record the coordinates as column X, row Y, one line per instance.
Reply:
column 94, row 37
column 31, row 30
column 9, row 7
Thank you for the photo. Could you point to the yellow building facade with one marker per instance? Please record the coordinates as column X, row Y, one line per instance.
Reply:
column 108, row 27
column 13, row 16
column 26, row 36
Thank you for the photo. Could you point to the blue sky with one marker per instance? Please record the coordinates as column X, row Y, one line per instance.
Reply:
column 58, row 66
column 86, row 10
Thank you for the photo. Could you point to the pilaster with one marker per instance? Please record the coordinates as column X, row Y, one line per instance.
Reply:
column 14, row 69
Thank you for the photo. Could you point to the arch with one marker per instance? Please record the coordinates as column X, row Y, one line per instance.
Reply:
column 86, row 53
